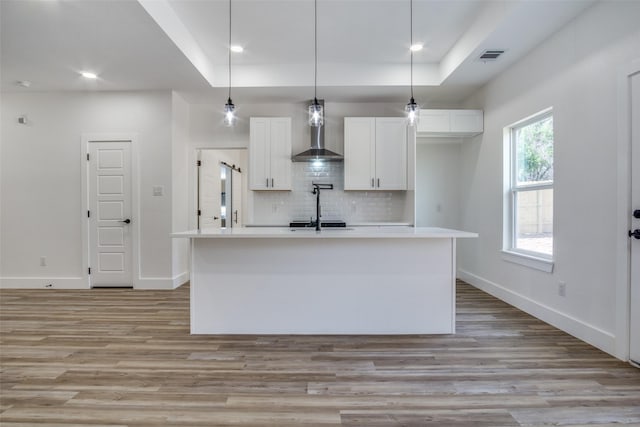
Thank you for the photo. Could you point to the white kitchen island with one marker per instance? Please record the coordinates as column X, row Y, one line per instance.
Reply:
column 364, row 280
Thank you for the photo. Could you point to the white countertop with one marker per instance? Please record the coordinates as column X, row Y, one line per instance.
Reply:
column 327, row 233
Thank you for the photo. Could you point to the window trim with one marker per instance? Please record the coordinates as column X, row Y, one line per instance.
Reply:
column 510, row 253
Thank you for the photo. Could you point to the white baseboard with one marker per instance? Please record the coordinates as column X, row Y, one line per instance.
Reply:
column 590, row 334
column 153, row 283
column 180, row 279
column 43, row 282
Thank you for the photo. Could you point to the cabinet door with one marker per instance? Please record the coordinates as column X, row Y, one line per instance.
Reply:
column 259, row 149
column 280, row 135
column 359, row 153
column 467, row 121
column 434, row 121
column 391, row 153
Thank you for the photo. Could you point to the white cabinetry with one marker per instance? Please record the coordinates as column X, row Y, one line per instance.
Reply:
column 450, row 123
column 375, row 153
column 270, row 153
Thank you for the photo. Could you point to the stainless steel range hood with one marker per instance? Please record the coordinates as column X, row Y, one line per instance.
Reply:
column 317, row 150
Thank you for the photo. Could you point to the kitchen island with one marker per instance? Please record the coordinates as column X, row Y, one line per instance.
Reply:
column 363, row 280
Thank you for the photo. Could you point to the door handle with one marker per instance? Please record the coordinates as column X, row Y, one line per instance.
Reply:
column 636, row 213
column 127, row 221
column 635, row 233
column 215, row 217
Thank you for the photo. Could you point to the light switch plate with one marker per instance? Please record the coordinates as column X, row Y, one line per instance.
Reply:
column 158, row 190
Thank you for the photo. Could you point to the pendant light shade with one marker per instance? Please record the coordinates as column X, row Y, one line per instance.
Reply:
column 316, row 112
column 229, row 108
column 413, row 112
column 412, row 109
column 229, row 113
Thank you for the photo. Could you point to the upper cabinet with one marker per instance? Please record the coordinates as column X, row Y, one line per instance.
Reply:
column 375, row 153
column 270, row 153
column 450, row 123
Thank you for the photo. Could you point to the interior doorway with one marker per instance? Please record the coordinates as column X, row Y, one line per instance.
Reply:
column 634, row 306
column 221, row 188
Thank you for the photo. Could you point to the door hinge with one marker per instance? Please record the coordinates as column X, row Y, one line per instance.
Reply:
column 88, row 214
column 199, row 163
column 199, row 212
column 87, row 156
column 89, row 270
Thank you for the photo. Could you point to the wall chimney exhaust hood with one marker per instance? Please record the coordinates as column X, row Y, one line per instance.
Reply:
column 317, row 150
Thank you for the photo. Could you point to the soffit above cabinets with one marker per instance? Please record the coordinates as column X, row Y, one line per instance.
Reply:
column 182, row 45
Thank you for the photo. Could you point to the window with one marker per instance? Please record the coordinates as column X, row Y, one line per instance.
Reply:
column 529, row 229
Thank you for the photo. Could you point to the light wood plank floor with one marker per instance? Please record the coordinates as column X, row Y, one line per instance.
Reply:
column 116, row 357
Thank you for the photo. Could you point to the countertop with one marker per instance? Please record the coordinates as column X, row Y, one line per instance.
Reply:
column 327, row 233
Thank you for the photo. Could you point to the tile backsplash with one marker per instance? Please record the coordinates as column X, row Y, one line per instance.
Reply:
column 281, row 207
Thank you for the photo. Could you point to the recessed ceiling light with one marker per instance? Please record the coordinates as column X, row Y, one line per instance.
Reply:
column 416, row 47
column 89, row 75
column 236, row 48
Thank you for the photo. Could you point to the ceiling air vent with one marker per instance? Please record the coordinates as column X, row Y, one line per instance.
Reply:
column 490, row 55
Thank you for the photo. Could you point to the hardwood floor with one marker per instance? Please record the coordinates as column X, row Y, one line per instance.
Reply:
column 116, row 357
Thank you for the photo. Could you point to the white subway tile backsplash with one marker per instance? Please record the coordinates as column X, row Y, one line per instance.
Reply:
column 281, row 207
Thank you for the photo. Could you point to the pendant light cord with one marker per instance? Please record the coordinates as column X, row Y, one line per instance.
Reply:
column 411, row 38
column 315, row 40
column 229, row 47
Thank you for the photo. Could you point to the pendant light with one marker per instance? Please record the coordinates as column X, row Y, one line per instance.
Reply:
column 229, row 108
column 412, row 109
column 316, row 111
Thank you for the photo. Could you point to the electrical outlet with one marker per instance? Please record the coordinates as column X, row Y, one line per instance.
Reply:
column 43, row 261
column 562, row 289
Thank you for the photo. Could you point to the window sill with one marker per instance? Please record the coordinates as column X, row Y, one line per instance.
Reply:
column 530, row 261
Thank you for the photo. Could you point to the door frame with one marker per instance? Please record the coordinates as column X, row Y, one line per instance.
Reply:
column 131, row 138
column 623, row 245
column 194, row 156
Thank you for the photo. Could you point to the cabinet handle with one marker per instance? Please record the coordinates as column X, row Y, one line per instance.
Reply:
column 372, row 183
column 271, row 182
column 236, row 216
column 267, row 182
column 378, row 182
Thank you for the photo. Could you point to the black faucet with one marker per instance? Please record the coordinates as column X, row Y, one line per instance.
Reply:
column 316, row 191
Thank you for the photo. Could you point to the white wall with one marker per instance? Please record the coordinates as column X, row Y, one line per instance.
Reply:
column 576, row 73
column 438, row 182
column 180, row 187
column 41, row 177
column 278, row 208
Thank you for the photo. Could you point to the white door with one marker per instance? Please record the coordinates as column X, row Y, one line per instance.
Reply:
column 236, row 198
column 391, row 153
column 209, row 191
column 634, row 327
column 110, row 219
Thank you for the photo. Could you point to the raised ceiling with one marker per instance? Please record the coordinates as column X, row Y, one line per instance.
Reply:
column 182, row 45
